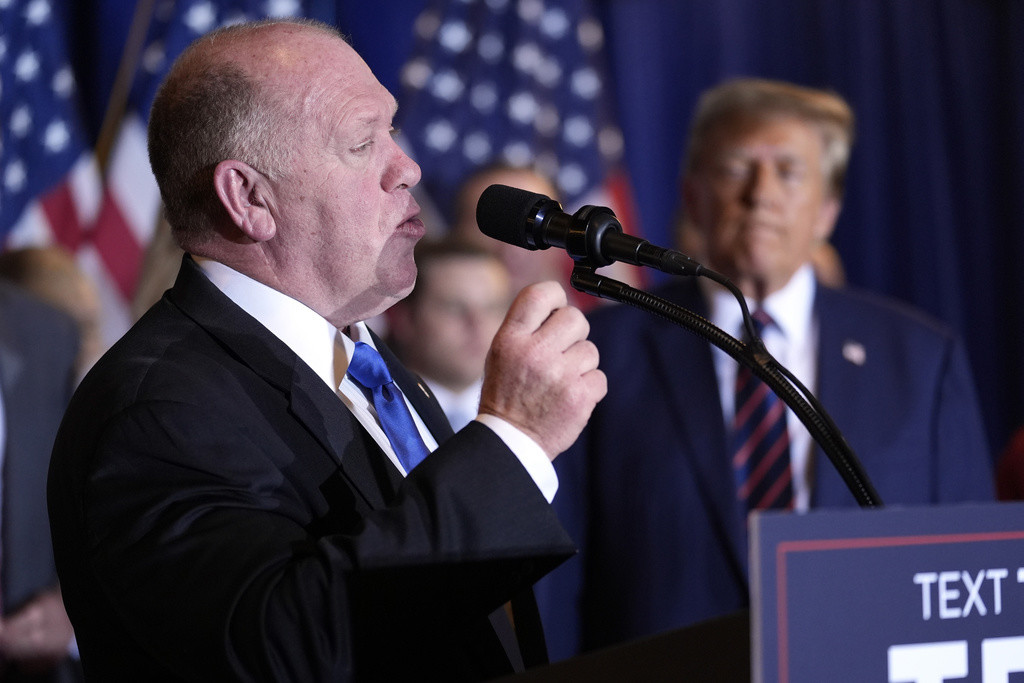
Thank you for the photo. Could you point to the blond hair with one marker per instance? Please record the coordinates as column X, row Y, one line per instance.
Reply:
column 743, row 101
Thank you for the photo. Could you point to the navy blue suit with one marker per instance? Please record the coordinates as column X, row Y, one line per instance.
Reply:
column 648, row 492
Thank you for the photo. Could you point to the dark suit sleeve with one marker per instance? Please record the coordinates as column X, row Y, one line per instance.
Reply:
column 560, row 593
column 200, row 543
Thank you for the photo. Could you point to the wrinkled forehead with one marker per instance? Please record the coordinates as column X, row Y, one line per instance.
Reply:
column 314, row 72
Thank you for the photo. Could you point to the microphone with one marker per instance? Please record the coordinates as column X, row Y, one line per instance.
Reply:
column 534, row 221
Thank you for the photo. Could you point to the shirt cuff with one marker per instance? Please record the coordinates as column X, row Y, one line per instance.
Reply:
column 529, row 452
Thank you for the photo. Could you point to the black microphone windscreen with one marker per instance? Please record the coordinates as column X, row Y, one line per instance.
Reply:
column 502, row 213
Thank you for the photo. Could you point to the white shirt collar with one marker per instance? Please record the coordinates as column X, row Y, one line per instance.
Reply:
column 302, row 329
column 791, row 307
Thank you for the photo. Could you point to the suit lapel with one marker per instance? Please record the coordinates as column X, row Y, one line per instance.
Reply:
column 685, row 363
column 418, row 393
column 842, row 354
column 311, row 401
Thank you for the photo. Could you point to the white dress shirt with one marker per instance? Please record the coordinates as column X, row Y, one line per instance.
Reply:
column 793, row 341
column 326, row 350
column 460, row 407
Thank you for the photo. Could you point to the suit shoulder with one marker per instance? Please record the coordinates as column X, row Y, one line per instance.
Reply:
column 875, row 311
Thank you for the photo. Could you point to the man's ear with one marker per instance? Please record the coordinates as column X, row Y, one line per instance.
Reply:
column 247, row 198
column 827, row 218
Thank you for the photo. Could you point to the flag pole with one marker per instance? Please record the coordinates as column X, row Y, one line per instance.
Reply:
column 118, row 100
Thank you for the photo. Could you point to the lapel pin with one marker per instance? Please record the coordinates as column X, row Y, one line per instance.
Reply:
column 854, row 352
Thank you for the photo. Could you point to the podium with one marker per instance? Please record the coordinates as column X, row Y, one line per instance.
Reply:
column 911, row 595
column 893, row 594
column 714, row 650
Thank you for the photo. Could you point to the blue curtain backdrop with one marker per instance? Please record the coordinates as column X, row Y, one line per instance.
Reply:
column 932, row 213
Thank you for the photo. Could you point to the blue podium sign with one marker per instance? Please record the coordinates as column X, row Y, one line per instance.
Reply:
column 896, row 594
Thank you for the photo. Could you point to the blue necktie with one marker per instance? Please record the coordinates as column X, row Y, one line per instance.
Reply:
column 368, row 369
column 761, row 441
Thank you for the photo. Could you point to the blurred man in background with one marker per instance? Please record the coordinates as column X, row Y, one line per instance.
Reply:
column 39, row 347
column 443, row 329
column 699, row 441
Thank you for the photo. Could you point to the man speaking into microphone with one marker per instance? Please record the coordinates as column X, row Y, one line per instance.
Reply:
column 249, row 486
column 658, row 487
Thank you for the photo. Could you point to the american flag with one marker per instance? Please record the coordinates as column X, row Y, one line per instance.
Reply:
column 130, row 210
column 49, row 183
column 520, row 82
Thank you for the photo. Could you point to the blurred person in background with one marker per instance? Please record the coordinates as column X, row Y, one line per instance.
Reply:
column 39, row 354
column 525, row 267
column 443, row 329
column 763, row 185
column 53, row 275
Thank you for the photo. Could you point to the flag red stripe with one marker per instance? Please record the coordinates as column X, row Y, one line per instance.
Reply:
column 117, row 247
column 59, row 207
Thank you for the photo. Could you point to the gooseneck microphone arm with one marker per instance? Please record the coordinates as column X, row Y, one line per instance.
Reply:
column 594, row 238
column 756, row 357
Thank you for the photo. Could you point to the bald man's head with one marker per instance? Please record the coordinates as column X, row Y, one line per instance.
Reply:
column 236, row 93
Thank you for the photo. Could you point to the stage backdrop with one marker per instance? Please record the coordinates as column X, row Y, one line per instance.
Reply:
column 932, row 213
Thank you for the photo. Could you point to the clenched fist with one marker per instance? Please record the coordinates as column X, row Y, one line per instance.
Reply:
column 541, row 373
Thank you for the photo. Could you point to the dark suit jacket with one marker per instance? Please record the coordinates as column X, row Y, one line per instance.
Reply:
column 219, row 515
column 38, row 348
column 648, row 492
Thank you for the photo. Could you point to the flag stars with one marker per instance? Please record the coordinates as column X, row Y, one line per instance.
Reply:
column 235, row 18
column 37, row 12
column 527, row 58
column 477, row 147
column 518, row 153
column 549, row 73
column 490, row 47
column 531, row 97
column 154, row 57
column 555, row 24
column 547, row 121
column 63, row 82
column 484, row 97
column 21, row 121
column 15, row 176
column 585, row 83
column 26, row 68
column 417, row 73
column 523, row 107
column 440, row 136
column 427, row 25
column 590, row 35
column 3, row 48
column 578, row 131
column 530, row 11
column 572, row 179
column 454, row 36
column 447, row 85
column 56, row 137
column 282, row 8
column 610, row 142
column 200, row 17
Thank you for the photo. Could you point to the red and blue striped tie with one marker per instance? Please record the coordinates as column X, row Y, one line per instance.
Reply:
column 760, row 459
